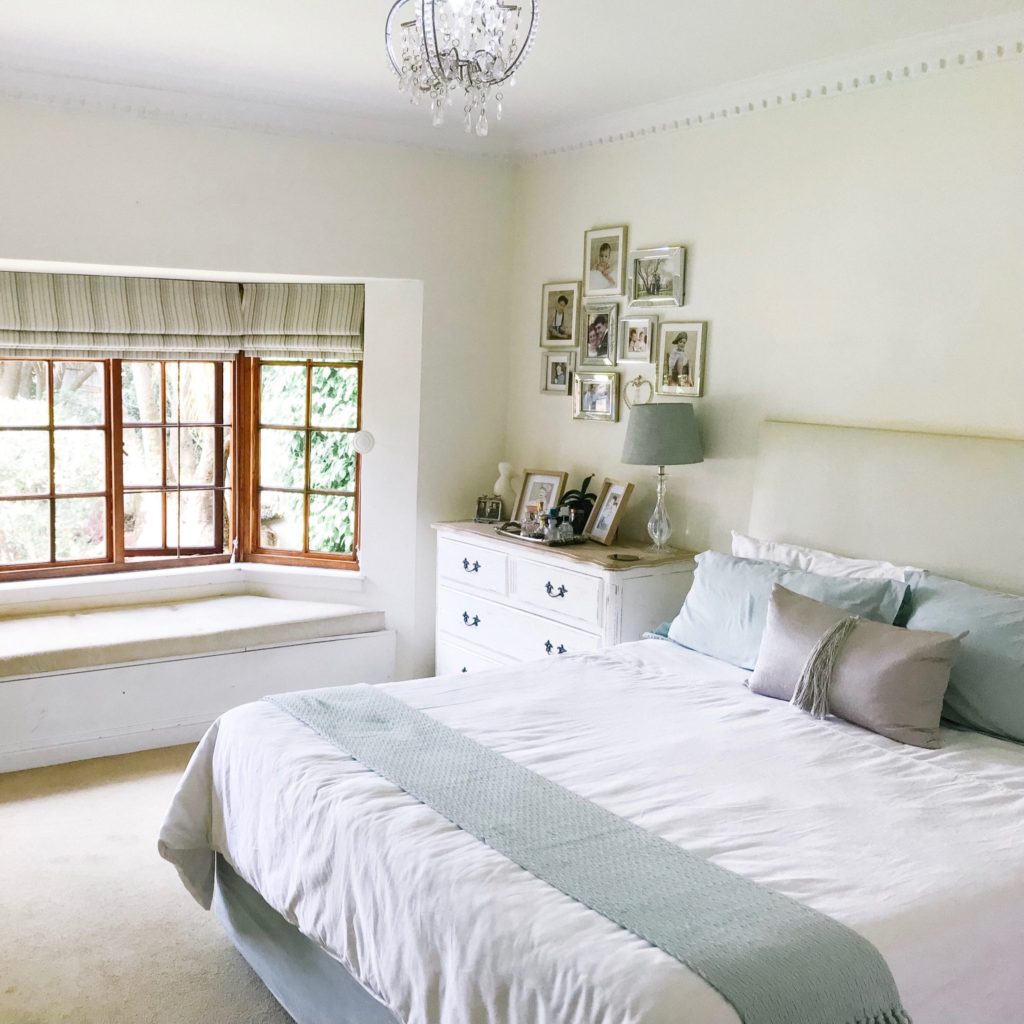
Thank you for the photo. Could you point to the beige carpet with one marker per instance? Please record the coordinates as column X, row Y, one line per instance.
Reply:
column 94, row 927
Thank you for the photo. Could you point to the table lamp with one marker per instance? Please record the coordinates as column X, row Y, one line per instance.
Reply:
column 662, row 435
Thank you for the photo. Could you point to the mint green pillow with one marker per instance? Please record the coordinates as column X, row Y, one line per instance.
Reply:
column 725, row 611
column 986, row 686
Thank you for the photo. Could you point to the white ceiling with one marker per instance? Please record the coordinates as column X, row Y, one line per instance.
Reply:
column 324, row 59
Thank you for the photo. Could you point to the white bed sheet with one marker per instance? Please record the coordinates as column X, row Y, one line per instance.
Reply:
column 922, row 852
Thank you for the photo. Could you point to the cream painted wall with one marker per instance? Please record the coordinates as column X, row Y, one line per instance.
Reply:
column 859, row 260
column 84, row 188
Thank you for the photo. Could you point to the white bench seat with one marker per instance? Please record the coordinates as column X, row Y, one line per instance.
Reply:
column 113, row 680
column 69, row 641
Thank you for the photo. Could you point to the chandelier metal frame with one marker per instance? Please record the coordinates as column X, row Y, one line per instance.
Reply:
column 444, row 68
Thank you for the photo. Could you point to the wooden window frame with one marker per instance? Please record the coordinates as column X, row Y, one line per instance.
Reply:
column 249, row 476
column 243, row 508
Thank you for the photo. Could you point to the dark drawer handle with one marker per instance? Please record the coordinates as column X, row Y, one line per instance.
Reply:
column 475, row 567
column 464, row 669
column 552, row 592
column 470, row 621
column 550, row 648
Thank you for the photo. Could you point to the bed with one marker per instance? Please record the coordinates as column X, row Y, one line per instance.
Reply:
column 356, row 903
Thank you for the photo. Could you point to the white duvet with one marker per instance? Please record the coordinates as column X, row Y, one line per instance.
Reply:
column 922, row 852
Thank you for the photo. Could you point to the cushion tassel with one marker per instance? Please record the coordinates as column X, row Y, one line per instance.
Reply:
column 812, row 688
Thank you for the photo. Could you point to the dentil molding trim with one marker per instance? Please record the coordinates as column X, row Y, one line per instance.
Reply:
column 965, row 46
column 971, row 45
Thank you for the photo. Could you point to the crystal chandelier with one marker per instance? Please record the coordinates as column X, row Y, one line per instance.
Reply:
column 437, row 47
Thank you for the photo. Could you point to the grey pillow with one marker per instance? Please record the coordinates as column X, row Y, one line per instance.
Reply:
column 986, row 688
column 886, row 679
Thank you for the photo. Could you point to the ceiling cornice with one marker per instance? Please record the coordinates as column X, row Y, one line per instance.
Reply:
column 71, row 91
column 964, row 46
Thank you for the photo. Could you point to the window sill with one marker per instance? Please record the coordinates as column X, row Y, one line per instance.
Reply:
column 27, row 597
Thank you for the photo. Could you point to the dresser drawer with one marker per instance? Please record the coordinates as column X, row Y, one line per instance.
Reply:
column 471, row 566
column 515, row 634
column 553, row 590
column 451, row 659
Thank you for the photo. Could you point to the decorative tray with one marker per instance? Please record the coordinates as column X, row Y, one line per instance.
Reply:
column 540, row 540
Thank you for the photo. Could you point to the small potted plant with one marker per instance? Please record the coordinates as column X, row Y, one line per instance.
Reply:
column 580, row 503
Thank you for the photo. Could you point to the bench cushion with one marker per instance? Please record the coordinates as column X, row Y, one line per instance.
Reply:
column 88, row 639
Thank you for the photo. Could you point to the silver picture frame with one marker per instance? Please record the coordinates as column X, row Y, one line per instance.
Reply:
column 657, row 277
column 604, row 261
column 559, row 322
column 556, row 370
column 599, row 333
column 637, row 339
column 680, row 367
column 595, row 396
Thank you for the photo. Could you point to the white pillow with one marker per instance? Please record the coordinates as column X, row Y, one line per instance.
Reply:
column 822, row 563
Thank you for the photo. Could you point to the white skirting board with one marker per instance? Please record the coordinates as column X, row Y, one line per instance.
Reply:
column 69, row 716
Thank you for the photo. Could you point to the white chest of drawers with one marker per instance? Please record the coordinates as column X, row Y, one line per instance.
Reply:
column 501, row 600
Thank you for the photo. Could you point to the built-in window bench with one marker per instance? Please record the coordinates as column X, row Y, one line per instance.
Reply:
column 76, row 684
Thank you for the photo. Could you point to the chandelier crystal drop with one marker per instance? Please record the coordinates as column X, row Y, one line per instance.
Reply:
column 437, row 47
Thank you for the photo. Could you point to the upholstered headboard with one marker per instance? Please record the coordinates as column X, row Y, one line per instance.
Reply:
column 948, row 503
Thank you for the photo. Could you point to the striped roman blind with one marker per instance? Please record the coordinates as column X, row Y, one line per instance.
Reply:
column 314, row 321
column 53, row 316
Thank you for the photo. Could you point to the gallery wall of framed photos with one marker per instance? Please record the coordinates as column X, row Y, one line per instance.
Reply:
column 619, row 330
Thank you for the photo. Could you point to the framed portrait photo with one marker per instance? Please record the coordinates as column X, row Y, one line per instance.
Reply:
column 556, row 370
column 542, row 489
column 681, row 359
column 560, row 307
column 636, row 339
column 598, row 338
column 595, row 396
column 657, row 276
column 604, row 261
column 607, row 512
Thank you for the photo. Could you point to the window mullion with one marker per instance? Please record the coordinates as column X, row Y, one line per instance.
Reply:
column 53, row 461
column 115, row 440
column 309, row 446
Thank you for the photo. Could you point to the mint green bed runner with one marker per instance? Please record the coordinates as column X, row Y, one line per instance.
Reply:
column 775, row 960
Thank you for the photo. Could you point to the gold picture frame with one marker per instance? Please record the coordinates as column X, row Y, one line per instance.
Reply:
column 534, row 480
column 606, row 515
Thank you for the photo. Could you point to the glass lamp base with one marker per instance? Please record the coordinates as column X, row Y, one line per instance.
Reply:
column 659, row 526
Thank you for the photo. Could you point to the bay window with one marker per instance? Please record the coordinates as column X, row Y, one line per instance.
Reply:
column 141, row 460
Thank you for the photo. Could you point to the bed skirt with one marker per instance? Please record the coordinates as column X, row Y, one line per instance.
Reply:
column 309, row 983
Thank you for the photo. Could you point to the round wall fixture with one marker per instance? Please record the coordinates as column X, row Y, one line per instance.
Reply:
column 363, row 441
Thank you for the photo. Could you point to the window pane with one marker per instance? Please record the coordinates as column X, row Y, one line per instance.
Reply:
column 283, row 395
column 282, row 458
column 332, row 524
column 226, row 432
column 191, row 392
column 335, row 400
column 24, row 462
column 24, row 532
column 78, row 393
column 143, row 519
column 24, row 393
column 79, row 461
column 191, row 455
column 281, row 520
column 332, row 462
column 196, row 525
column 140, row 392
column 143, row 466
column 81, row 528
column 229, row 526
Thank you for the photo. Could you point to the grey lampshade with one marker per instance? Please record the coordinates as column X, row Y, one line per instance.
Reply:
column 662, row 435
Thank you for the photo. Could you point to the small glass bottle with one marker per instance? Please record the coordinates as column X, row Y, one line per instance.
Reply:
column 566, row 534
column 551, row 531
